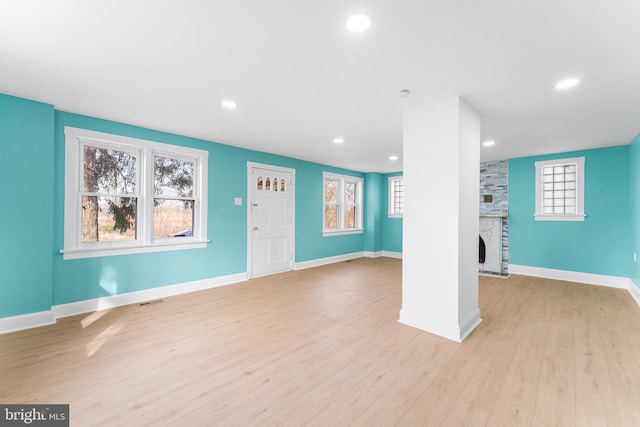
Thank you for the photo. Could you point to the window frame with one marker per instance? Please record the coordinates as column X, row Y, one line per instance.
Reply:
column 74, row 248
column 579, row 215
column 341, row 204
column 391, row 212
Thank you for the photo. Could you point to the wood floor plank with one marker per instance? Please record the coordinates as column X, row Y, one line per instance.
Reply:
column 515, row 401
column 595, row 404
column 322, row 346
column 620, row 353
column 477, row 398
column 556, row 400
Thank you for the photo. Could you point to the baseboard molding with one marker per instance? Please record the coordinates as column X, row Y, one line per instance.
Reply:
column 391, row 254
column 576, row 276
column 470, row 324
column 381, row 254
column 455, row 332
column 329, row 260
column 26, row 321
column 571, row 276
column 497, row 275
column 43, row 318
column 87, row 306
column 634, row 290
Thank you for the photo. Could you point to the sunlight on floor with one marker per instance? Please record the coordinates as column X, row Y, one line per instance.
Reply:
column 93, row 317
column 102, row 339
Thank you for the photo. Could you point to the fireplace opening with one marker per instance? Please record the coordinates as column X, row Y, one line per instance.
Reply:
column 482, row 251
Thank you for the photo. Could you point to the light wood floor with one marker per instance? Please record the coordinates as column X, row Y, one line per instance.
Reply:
column 323, row 347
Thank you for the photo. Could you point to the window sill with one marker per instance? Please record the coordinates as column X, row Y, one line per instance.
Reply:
column 68, row 254
column 540, row 217
column 342, row 232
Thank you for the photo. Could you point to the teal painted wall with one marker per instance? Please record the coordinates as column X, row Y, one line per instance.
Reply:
column 634, row 200
column 35, row 276
column 391, row 227
column 599, row 245
column 26, row 147
column 76, row 280
column 372, row 212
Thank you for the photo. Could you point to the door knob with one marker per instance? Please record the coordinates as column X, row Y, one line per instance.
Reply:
column 255, row 228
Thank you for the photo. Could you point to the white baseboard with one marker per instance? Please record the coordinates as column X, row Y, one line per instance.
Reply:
column 571, row 276
column 87, row 306
column 26, row 321
column 346, row 257
column 391, row 254
column 634, row 290
column 33, row 320
column 329, row 260
column 386, row 254
column 470, row 324
column 455, row 332
column 576, row 276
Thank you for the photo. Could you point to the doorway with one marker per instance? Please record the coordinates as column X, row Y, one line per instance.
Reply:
column 270, row 219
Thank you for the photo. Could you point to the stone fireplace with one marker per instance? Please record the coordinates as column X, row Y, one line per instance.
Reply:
column 491, row 242
column 494, row 216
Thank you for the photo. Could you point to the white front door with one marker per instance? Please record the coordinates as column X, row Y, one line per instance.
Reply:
column 271, row 219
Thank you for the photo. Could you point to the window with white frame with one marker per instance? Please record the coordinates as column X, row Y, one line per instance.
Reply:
column 560, row 190
column 126, row 195
column 396, row 197
column 342, row 204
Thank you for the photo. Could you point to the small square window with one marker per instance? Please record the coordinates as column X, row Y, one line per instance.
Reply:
column 396, row 197
column 560, row 190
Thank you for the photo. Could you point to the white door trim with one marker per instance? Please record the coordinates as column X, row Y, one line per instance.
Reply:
column 292, row 186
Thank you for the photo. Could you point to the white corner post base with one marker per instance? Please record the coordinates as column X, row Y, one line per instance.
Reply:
column 441, row 168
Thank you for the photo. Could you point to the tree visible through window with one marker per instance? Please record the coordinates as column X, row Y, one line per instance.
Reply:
column 126, row 195
column 173, row 202
column 109, row 197
column 342, row 203
column 330, row 204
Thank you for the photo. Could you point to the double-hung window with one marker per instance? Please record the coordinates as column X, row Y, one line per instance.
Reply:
column 560, row 190
column 342, row 204
column 396, row 197
column 126, row 195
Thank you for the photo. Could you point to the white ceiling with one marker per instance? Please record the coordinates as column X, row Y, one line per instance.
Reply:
column 300, row 78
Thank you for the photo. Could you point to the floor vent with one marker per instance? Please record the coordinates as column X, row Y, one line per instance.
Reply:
column 153, row 302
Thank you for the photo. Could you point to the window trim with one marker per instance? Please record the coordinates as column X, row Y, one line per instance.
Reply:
column 579, row 215
column 75, row 139
column 390, row 194
column 341, row 230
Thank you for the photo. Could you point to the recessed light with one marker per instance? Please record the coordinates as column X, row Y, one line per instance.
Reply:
column 359, row 23
column 488, row 143
column 338, row 140
column 393, row 158
column 227, row 103
column 565, row 84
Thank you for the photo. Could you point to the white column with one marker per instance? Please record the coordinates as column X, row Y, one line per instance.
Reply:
column 441, row 168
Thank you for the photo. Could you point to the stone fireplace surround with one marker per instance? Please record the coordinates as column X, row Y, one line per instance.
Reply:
column 491, row 234
column 494, row 202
